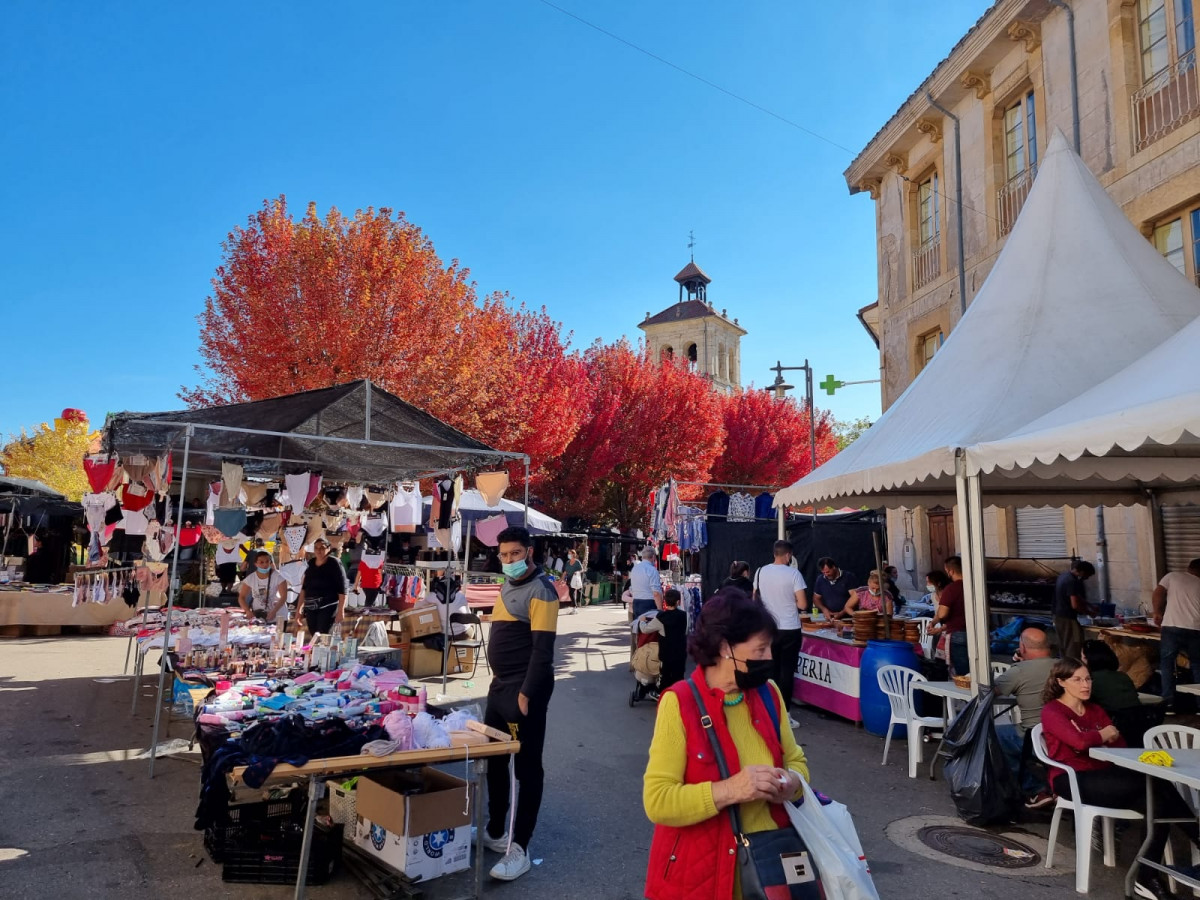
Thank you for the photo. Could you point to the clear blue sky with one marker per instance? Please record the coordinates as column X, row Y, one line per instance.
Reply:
column 555, row 162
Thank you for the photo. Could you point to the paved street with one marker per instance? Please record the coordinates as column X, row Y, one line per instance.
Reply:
column 82, row 820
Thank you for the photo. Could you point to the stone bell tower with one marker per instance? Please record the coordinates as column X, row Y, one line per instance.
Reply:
column 692, row 329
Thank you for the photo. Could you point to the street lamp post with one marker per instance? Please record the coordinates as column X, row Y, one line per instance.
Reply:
column 780, row 387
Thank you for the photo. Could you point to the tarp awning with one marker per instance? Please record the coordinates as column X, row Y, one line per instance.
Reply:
column 377, row 436
column 472, row 508
column 1076, row 295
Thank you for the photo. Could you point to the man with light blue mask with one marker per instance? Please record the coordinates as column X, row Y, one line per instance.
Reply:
column 520, row 653
column 264, row 590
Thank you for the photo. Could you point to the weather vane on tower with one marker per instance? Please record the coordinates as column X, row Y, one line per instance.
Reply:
column 692, row 245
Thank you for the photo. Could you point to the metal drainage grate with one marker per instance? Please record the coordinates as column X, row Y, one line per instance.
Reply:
column 978, row 846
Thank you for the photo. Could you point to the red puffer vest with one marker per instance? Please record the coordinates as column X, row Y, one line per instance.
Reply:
column 698, row 861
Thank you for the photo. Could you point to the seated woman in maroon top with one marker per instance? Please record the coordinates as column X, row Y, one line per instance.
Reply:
column 1071, row 726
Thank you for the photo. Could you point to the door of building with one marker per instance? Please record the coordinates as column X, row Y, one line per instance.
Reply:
column 941, row 537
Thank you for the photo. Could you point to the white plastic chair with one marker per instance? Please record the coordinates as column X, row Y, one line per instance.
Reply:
column 1176, row 737
column 1085, row 818
column 926, row 637
column 897, row 683
column 998, row 668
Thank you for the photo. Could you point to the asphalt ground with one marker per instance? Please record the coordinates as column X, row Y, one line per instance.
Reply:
column 81, row 818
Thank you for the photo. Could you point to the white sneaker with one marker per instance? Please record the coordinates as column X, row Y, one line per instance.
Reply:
column 499, row 845
column 514, row 864
column 793, row 723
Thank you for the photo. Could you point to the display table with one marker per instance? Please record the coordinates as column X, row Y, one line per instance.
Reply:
column 1137, row 652
column 38, row 608
column 338, row 767
column 1184, row 772
column 827, row 676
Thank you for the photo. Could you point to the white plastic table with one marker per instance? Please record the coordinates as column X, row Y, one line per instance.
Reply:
column 951, row 693
column 1186, row 771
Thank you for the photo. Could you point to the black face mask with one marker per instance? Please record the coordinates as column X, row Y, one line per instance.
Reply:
column 756, row 674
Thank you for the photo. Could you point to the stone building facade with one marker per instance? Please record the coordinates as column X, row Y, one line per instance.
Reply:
column 692, row 329
column 1134, row 103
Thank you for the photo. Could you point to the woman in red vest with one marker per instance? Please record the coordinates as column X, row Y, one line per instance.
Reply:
column 693, row 853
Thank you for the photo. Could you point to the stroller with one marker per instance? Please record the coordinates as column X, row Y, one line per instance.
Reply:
column 645, row 662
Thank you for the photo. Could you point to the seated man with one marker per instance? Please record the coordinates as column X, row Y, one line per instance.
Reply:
column 1026, row 680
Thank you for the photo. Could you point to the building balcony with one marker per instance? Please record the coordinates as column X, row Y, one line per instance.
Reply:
column 927, row 262
column 1168, row 100
column 1011, row 197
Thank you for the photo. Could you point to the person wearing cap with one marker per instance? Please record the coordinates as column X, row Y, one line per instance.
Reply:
column 323, row 590
column 645, row 584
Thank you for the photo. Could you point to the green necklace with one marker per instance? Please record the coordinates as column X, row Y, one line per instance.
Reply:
column 740, row 697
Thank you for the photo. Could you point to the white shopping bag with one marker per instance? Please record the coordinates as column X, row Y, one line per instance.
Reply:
column 834, row 847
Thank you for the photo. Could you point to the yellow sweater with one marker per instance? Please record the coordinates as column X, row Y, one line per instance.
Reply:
column 669, row 801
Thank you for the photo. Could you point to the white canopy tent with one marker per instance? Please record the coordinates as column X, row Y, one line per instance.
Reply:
column 473, row 508
column 1076, row 295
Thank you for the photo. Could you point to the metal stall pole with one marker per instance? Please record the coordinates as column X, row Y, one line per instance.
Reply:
column 964, row 520
column 171, row 597
column 526, row 491
column 981, row 677
column 448, row 629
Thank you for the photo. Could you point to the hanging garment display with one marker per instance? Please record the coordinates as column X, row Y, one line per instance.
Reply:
column 293, row 536
column 442, row 509
column 718, row 504
column 314, row 488
column 255, row 493
column 297, row 490
column 210, row 503
column 135, row 521
column 103, row 473
column 405, row 508
column 354, row 496
column 764, row 506
column 231, row 479
column 488, row 531
column 95, row 507
column 491, row 486
column 270, row 526
column 741, row 507
column 375, row 498
column 229, row 522
column 136, row 467
column 158, row 474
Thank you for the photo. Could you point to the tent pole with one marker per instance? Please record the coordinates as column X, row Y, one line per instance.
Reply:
column 979, row 637
column 962, row 516
column 172, row 592
column 526, row 491
column 781, row 526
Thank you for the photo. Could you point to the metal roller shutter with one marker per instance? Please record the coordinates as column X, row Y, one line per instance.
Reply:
column 1181, row 535
column 1040, row 533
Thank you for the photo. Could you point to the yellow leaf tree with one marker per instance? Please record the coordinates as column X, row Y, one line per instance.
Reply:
column 53, row 454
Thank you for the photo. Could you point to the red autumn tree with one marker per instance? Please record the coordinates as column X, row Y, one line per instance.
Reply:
column 767, row 441
column 298, row 305
column 645, row 422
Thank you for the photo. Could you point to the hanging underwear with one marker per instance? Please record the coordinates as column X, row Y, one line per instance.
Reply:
column 442, row 510
column 96, row 507
column 210, row 503
column 372, row 560
column 101, row 472
column 315, row 529
column 270, row 526
column 157, row 576
column 334, row 495
column 297, row 489
column 135, row 521
column 293, row 536
column 158, row 474
column 255, row 493
column 374, row 525
column 229, row 521
column 227, row 552
column 488, row 531
column 374, row 498
column 314, row 488
column 354, row 496
column 136, row 467
column 293, row 573
column 211, row 534
column 134, row 497
column 491, row 486
column 335, row 542
column 150, row 546
column 231, row 481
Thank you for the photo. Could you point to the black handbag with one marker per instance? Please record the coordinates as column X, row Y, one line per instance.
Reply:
column 772, row 865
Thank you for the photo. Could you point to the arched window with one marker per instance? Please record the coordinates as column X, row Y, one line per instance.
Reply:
column 733, row 373
column 691, row 353
column 722, row 371
column 667, row 352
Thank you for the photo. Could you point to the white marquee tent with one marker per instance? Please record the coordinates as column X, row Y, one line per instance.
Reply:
column 1076, row 296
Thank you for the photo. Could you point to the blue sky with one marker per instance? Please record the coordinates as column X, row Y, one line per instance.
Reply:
column 553, row 161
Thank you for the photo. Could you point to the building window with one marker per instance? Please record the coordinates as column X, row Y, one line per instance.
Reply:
column 1179, row 241
column 927, row 346
column 668, row 352
column 691, row 353
column 1020, row 159
column 1170, row 93
column 927, row 258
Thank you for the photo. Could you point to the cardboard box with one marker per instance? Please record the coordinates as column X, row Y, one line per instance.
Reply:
column 423, row 835
column 462, row 659
column 420, row 622
column 421, row 662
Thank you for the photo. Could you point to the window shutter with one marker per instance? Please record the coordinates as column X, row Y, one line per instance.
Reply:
column 1181, row 535
column 1041, row 533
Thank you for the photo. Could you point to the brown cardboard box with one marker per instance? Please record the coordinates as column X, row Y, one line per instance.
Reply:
column 462, row 659
column 420, row 622
column 422, row 662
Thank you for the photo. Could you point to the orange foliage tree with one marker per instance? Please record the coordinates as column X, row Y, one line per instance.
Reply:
column 766, row 440
column 645, row 421
column 298, row 305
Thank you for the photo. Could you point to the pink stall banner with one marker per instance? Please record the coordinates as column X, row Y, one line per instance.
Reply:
column 827, row 677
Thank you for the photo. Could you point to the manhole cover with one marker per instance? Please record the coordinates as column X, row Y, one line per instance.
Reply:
column 978, row 846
